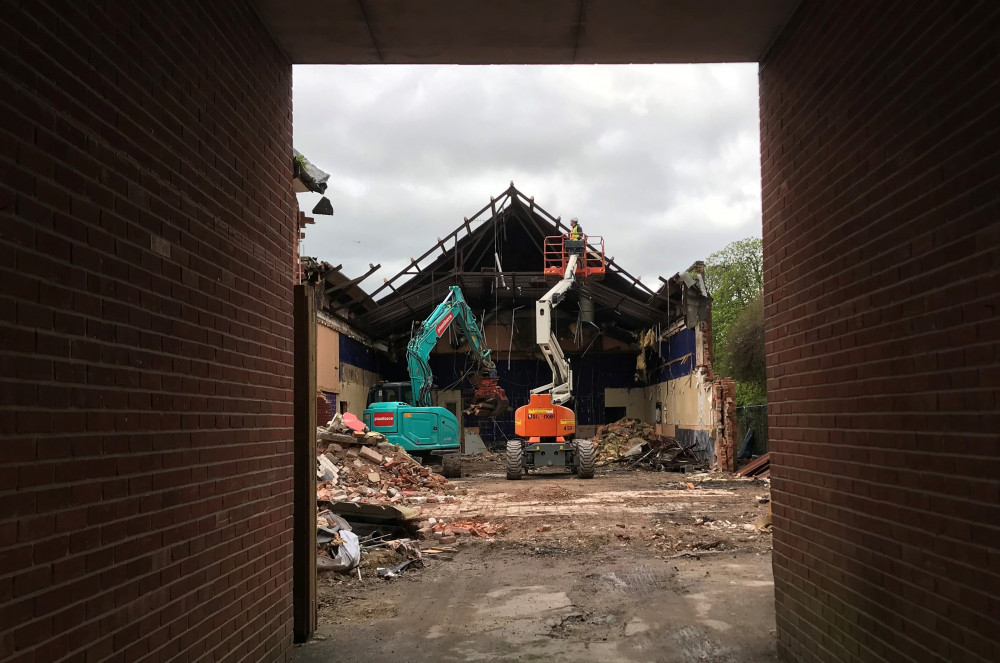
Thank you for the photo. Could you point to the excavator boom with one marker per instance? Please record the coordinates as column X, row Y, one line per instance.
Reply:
column 490, row 399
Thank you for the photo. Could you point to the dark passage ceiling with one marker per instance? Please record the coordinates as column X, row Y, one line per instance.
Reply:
column 523, row 31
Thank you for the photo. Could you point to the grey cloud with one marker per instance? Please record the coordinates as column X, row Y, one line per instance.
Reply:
column 662, row 161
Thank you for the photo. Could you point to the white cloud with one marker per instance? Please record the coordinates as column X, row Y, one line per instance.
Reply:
column 663, row 161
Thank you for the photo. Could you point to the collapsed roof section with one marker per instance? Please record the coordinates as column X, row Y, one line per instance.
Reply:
column 339, row 296
column 496, row 257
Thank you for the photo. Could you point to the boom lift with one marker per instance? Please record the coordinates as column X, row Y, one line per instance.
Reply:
column 403, row 412
column 546, row 425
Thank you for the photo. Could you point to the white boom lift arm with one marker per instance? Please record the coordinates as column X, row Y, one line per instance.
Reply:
column 561, row 386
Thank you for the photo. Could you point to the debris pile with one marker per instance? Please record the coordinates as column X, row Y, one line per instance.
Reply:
column 366, row 491
column 758, row 468
column 348, row 470
column 614, row 441
column 338, row 547
column 633, row 443
column 445, row 533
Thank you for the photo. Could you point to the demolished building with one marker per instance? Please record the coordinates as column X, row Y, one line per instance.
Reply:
column 636, row 352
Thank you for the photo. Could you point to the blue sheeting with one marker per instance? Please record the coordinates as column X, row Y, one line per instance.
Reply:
column 592, row 374
column 358, row 354
column 674, row 351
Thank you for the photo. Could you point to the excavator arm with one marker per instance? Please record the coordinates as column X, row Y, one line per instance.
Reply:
column 490, row 400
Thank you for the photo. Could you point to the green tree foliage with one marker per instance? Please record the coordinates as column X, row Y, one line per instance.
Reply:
column 745, row 343
column 735, row 277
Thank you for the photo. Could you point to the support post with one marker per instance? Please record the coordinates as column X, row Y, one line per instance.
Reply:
column 304, row 467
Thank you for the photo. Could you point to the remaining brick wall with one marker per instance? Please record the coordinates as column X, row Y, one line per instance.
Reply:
column 880, row 159
column 325, row 408
column 727, row 426
column 147, row 228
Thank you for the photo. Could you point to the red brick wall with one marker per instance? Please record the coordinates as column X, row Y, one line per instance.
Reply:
column 880, row 157
column 324, row 409
column 147, row 227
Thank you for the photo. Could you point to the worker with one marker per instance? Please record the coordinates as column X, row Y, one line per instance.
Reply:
column 574, row 243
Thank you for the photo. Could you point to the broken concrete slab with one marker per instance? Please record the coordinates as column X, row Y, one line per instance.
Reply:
column 370, row 454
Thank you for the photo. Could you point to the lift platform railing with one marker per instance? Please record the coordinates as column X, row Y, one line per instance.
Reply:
column 557, row 249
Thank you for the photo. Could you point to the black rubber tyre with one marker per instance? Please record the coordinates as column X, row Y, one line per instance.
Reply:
column 451, row 466
column 515, row 459
column 585, row 459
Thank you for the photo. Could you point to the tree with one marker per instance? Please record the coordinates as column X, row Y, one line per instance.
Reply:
column 745, row 343
column 735, row 277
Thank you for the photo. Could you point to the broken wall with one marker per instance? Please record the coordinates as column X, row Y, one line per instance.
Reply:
column 685, row 391
column 147, row 229
column 360, row 368
column 637, row 401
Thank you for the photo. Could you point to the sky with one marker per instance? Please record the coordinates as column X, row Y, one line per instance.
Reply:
column 663, row 161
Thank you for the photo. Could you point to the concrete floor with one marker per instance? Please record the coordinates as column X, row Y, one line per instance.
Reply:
column 615, row 591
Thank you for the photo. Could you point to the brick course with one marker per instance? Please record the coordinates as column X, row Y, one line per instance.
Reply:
column 146, row 250
column 880, row 152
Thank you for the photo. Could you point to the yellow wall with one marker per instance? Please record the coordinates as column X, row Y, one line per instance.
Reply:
column 350, row 383
column 327, row 359
column 354, row 385
column 687, row 403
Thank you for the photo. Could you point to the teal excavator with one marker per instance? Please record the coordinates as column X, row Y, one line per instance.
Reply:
column 403, row 412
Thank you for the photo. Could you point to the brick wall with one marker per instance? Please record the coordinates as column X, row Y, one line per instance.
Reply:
column 147, row 227
column 880, row 160
column 325, row 408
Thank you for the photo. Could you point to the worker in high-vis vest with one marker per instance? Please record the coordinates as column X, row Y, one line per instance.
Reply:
column 574, row 243
column 576, row 233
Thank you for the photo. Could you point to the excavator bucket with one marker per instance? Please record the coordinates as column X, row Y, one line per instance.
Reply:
column 490, row 400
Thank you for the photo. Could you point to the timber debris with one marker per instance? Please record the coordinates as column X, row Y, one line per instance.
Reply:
column 631, row 443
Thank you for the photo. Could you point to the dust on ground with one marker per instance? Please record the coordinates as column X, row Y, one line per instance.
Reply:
column 631, row 566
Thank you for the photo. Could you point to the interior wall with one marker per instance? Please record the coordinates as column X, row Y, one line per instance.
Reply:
column 354, row 385
column 880, row 148
column 637, row 402
column 327, row 359
column 147, row 224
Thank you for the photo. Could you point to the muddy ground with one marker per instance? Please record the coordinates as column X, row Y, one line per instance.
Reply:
column 630, row 566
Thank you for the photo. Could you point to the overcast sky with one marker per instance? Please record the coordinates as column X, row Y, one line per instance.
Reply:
column 663, row 161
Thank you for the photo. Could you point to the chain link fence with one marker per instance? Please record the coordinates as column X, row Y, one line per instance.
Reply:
column 755, row 417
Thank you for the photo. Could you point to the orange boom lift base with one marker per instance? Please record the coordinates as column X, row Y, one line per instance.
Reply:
column 542, row 421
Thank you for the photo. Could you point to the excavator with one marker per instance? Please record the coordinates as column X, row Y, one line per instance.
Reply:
column 546, row 427
column 403, row 411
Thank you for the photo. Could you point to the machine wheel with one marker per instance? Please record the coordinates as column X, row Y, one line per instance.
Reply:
column 451, row 466
column 515, row 459
column 585, row 459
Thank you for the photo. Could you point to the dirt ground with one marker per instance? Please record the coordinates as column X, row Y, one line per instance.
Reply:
column 630, row 566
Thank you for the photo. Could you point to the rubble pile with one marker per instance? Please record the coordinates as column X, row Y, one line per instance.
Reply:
column 634, row 444
column 445, row 533
column 382, row 475
column 366, row 483
column 354, row 465
column 613, row 441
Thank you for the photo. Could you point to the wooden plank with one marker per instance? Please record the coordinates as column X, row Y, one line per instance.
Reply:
column 755, row 466
column 304, row 466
